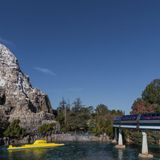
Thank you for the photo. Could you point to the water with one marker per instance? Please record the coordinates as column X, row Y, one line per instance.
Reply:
column 79, row 151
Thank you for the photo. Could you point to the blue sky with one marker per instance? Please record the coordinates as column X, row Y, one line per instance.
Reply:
column 101, row 51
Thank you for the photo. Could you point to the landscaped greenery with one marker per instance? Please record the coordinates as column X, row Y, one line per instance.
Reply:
column 76, row 117
column 14, row 130
column 150, row 99
column 45, row 128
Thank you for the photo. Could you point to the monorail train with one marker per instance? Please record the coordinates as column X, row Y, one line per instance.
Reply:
column 139, row 121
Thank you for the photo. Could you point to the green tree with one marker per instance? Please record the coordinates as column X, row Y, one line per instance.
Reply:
column 77, row 105
column 46, row 128
column 102, row 119
column 141, row 106
column 151, row 94
column 101, row 109
column 62, row 114
column 79, row 116
column 14, row 130
column 83, row 118
column 150, row 100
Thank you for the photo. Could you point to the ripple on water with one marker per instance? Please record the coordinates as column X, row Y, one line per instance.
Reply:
column 79, row 151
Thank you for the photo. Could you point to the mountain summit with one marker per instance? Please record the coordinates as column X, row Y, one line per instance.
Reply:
column 18, row 99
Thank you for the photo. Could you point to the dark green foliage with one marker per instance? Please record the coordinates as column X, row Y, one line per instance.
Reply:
column 104, row 119
column 136, row 136
column 46, row 128
column 151, row 93
column 3, row 123
column 150, row 100
column 3, row 127
column 14, row 130
column 157, row 108
column 62, row 114
column 141, row 106
column 79, row 118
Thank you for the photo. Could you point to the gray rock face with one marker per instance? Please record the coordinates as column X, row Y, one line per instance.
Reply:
column 2, row 97
column 17, row 96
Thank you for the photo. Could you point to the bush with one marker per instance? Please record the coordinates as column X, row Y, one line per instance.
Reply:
column 45, row 128
column 14, row 130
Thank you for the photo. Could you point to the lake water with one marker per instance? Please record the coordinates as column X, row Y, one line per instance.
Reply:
column 79, row 151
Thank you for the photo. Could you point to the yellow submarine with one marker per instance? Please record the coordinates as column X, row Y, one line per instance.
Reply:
column 36, row 144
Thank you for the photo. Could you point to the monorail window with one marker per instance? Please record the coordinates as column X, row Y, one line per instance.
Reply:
column 158, row 114
column 129, row 117
column 150, row 116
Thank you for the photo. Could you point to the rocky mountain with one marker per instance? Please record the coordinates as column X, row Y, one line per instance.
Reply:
column 18, row 99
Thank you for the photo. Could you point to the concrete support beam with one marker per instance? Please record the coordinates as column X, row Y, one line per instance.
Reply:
column 120, row 140
column 144, row 153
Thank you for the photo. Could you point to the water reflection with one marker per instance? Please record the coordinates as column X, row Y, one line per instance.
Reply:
column 120, row 154
column 33, row 154
column 79, row 151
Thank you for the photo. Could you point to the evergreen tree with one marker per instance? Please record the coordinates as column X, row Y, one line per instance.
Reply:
column 151, row 94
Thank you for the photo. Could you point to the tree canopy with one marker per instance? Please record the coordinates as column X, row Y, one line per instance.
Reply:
column 80, row 118
column 151, row 94
column 149, row 100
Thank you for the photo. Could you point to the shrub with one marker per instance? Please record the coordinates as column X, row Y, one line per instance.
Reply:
column 14, row 130
column 45, row 128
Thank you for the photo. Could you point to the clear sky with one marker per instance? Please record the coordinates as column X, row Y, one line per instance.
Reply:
column 101, row 51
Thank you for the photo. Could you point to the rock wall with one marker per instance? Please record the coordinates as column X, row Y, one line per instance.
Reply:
column 55, row 138
column 18, row 99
